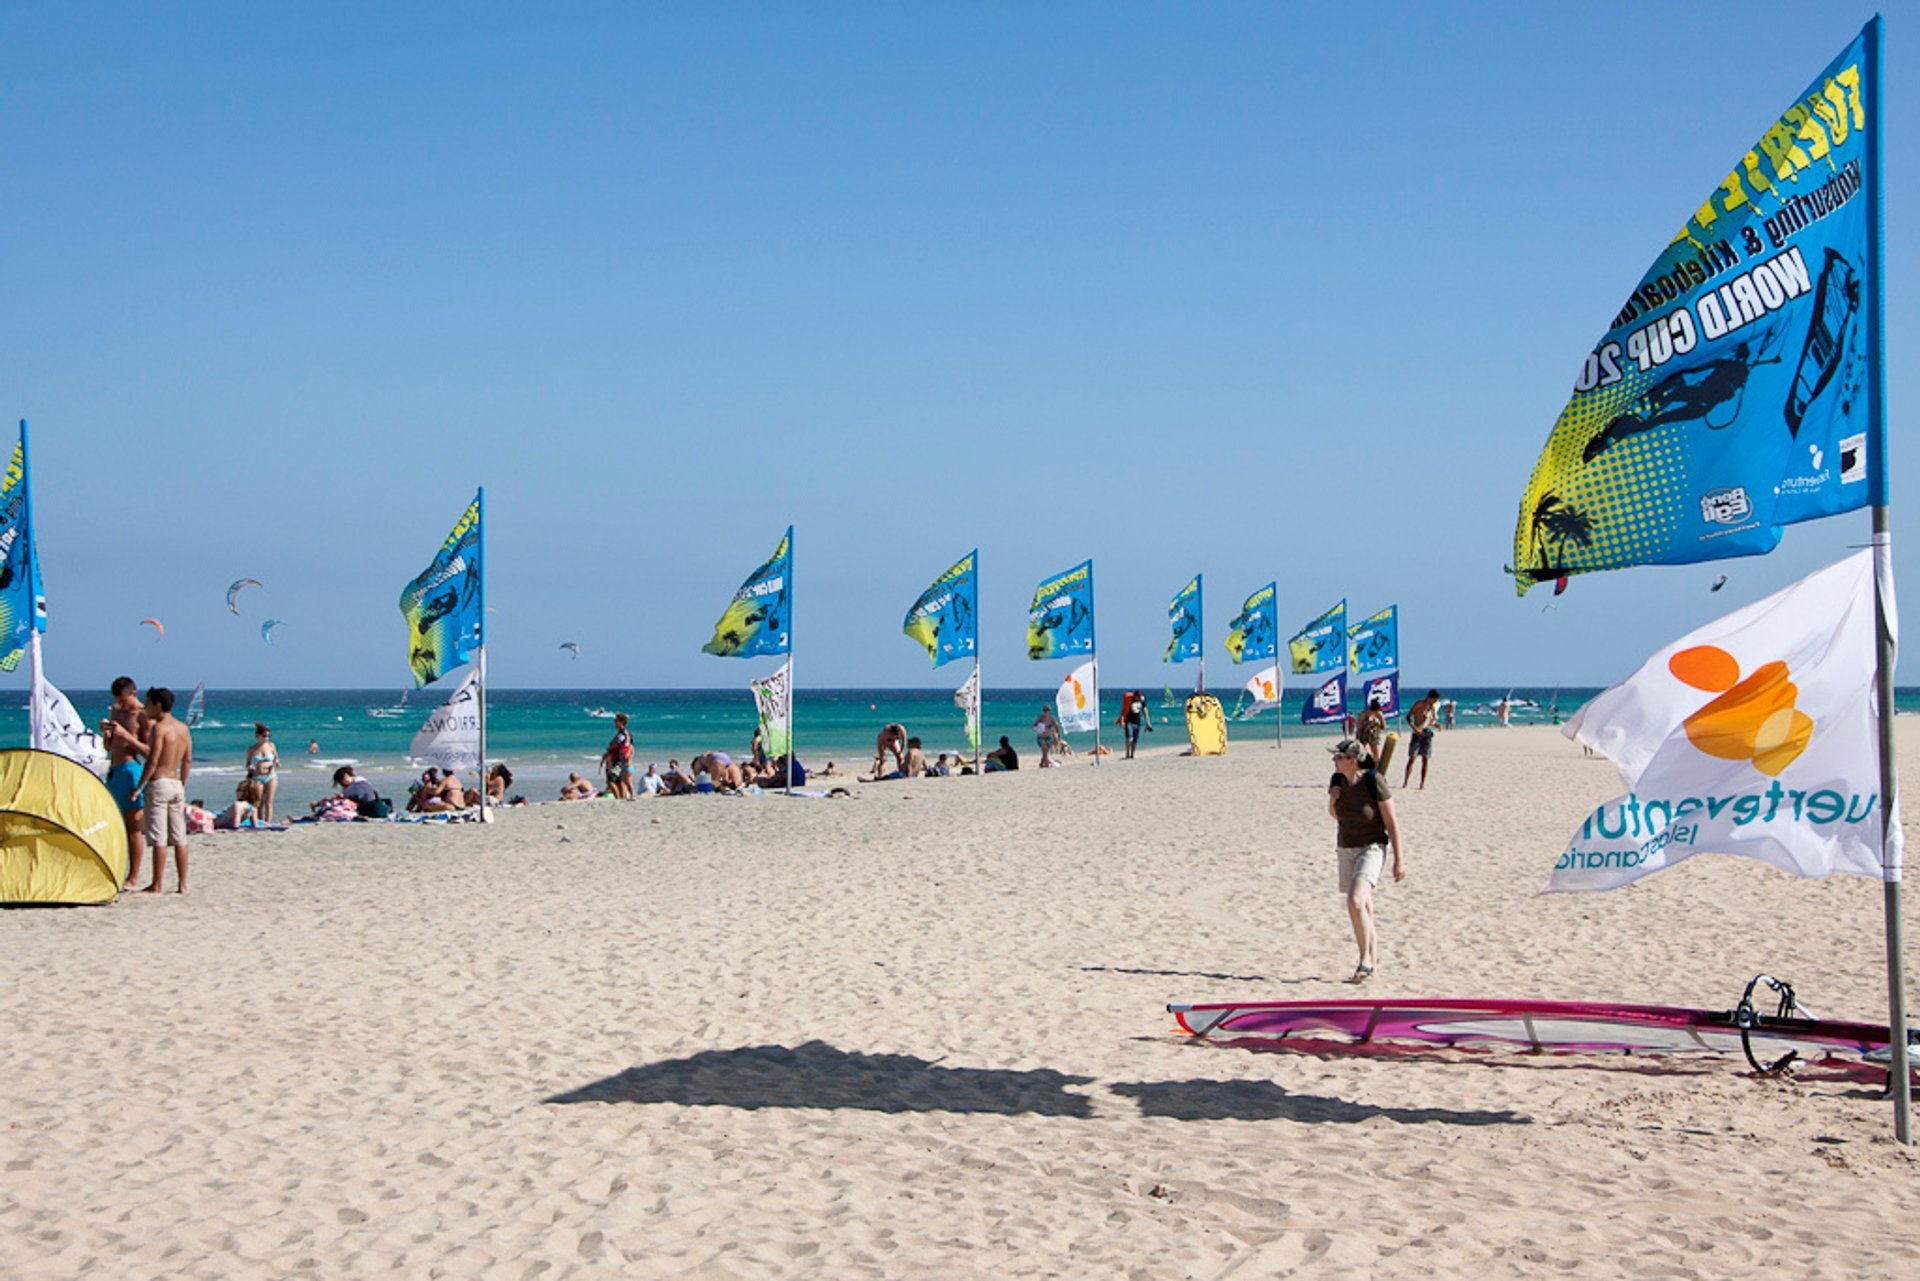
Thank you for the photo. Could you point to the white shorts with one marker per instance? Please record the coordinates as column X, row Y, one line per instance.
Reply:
column 1361, row 864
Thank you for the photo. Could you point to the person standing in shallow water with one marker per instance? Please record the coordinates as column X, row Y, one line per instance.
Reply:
column 1361, row 806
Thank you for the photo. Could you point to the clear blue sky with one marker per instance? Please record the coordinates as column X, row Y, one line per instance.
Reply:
column 1269, row 292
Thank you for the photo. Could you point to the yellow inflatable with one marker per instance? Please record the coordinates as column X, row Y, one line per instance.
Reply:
column 1206, row 726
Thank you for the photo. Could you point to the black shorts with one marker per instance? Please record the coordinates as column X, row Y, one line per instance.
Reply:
column 1421, row 745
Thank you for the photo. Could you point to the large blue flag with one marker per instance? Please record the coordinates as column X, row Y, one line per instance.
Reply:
column 443, row 605
column 1256, row 632
column 1321, row 646
column 22, row 609
column 1733, row 393
column 1060, row 621
column 1373, row 643
column 1184, row 615
column 1327, row 704
column 759, row 619
column 946, row 618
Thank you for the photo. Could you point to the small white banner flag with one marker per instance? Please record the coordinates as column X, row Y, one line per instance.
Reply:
column 62, row 731
column 770, row 698
column 1756, row 735
column 1077, row 700
column 451, row 737
column 967, row 699
column 1264, row 687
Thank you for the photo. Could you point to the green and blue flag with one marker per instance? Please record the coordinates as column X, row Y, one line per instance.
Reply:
column 946, row 618
column 1184, row 615
column 1255, row 633
column 23, row 610
column 1321, row 646
column 1373, row 643
column 1060, row 620
column 759, row 619
column 443, row 606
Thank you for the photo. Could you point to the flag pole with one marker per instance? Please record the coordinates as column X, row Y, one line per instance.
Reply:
column 979, row 704
column 1093, row 648
column 1200, row 624
column 791, row 743
column 480, row 659
column 1899, row 1083
column 36, row 735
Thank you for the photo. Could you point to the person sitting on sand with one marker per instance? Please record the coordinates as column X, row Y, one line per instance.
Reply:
column 438, row 793
column 759, row 763
column 829, row 771
column 651, row 783
column 916, row 759
column 576, row 789
column 245, row 810
column 676, row 781
column 348, row 787
column 1003, row 758
column 940, row 768
column 892, row 739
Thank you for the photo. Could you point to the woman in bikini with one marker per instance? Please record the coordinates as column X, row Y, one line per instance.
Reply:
column 263, row 767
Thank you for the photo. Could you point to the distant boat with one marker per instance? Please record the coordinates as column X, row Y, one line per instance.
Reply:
column 1168, row 698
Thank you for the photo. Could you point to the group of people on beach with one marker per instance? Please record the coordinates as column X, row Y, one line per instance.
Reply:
column 149, row 759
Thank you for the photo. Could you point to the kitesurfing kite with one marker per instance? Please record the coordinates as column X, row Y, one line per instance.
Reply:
column 266, row 630
column 1572, row 1026
column 1718, row 583
column 159, row 630
column 572, row 647
column 233, row 592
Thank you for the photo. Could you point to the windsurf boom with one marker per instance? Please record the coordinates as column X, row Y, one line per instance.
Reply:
column 1770, row 1041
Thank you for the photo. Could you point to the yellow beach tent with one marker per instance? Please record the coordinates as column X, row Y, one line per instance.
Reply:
column 62, row 839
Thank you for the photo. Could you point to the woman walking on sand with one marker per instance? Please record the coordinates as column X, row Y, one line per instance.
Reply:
column 1361, row 806
column 263, row 767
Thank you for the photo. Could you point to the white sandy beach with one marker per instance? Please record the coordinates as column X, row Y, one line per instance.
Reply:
column 920, row 1032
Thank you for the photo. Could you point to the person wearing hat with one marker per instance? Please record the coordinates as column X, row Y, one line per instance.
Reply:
column 1361, row 806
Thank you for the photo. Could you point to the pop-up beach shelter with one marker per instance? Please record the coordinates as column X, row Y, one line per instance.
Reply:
column 62, row 839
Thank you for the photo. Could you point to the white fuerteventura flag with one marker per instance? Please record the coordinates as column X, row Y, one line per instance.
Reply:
column 1755, row 735
column 451, row 737
column 967, row 699
column 771, row 700
column 61, row 730
column 1264, row 688
column 1076, row 701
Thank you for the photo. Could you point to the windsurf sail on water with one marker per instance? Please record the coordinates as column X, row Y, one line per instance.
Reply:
column 197, row 705
column 1770, row 1041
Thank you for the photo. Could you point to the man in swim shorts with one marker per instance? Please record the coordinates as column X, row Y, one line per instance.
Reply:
column 125, row 726
column 891, row 739
column 1423, row 718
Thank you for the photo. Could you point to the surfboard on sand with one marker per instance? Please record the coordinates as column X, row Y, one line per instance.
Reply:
column 1386, row 750
column 1206, row 726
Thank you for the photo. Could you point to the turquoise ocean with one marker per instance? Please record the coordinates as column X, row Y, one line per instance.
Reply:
column 541, row 735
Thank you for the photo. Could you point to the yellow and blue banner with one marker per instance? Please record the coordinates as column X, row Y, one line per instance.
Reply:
column 759, row 619
column 23, row 610
column 946, row 618
column 1328, row 704
column 1255, row 633
column 1736, row 391
column 1184, row 616
column 444, row 606
column 1373, row 643
column 1321, row 646
column 1060, row 621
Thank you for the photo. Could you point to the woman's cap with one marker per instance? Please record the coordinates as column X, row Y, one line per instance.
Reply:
column 1352, row 748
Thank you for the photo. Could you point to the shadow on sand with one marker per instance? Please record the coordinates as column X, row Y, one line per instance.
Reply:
column 816, row 1075
column 1265, row 1101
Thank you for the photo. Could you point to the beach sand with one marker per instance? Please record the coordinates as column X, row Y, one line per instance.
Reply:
column 920, row 1032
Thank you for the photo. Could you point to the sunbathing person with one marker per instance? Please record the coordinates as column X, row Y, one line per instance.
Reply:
column 676, row 781
column 576, row 789
column 438, row 793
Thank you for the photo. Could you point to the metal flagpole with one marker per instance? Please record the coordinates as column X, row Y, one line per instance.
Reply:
column 979, row 705
column 36, row 736
column 1093, row 649
column 790, row 601
column 480, row 659
column 1899, row 1084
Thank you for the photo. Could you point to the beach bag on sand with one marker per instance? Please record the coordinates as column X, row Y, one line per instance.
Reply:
column 378, row 807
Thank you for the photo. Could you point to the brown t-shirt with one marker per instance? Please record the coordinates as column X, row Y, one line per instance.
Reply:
column 1356, row 809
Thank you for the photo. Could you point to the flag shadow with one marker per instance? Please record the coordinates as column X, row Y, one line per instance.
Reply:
column 817, row 1075
column 1202, row 1100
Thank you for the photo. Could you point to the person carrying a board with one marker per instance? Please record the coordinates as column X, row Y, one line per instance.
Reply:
column 1361, row 806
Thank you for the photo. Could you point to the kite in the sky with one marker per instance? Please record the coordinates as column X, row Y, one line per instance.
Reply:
column 1718, row 583
column 159, row 630
column 266, row 630
column 572, row 647
column 234, row 591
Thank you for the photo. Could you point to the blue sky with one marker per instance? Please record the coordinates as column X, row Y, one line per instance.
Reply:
column 1260, row 291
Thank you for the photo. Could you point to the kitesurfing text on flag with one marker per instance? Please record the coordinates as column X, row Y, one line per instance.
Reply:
column 446, row 611
column 1730, row 396
column 22, row 611
column 1740, row 389
column 759, row 620
column 1255, row 634
column 1753, row 735
column 1373, row 643
column 946, row 620
column 1060, row 625
column 1185, row 618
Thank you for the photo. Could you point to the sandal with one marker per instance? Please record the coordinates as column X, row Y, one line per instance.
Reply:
column 1361, row 974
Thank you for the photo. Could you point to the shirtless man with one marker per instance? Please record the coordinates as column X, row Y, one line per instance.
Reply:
column 892, row 739
column 916, row 759
column 1423, row 718
column 124, row 729
column 168, row 747
column 576, row 789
